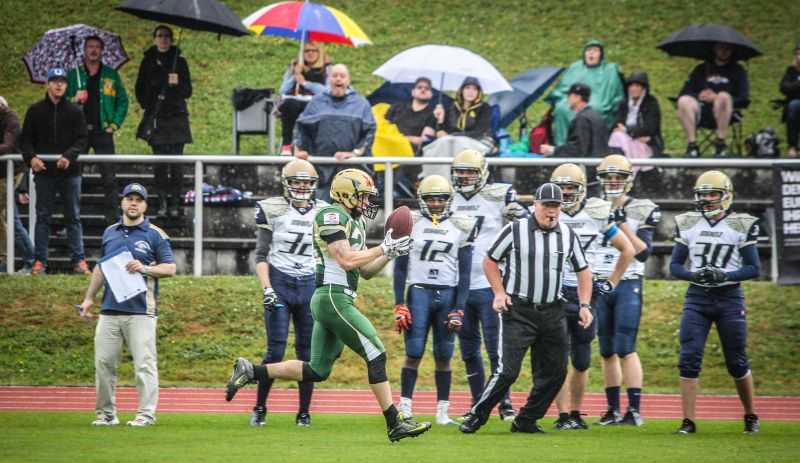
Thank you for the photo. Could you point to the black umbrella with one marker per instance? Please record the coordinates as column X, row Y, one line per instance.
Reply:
column 199, row 15
column 697, row 40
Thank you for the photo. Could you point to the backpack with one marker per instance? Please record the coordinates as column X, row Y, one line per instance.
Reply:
column 763, row 144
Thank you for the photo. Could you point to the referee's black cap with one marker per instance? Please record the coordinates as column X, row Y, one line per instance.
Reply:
column 549, row 193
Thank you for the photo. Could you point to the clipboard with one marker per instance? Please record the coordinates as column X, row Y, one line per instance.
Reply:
column 123, row 284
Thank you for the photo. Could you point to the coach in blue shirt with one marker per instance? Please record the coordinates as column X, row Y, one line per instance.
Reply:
column 133, row 320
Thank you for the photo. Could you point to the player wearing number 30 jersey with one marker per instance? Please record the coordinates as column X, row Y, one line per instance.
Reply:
column 437, row 271
column 721, row 248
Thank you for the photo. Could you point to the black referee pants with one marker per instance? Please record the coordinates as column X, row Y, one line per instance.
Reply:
column 543, row 329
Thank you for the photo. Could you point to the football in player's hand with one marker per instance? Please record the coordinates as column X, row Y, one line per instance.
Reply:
column 399, row 221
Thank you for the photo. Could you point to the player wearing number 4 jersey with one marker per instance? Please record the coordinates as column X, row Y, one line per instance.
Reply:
column 437, row 271
column 609, row 252
column 491, row 204
column 285, row 268
column 721, row 248
column 341, row 258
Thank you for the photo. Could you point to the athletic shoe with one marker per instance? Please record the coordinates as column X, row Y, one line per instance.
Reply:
column 610, row 417
column 81, row 268
column 632, row 417
column 242, row 375
column 720, row 149
column 286, row 150
column 258, row 417
column 404, row 407
column 104, row 420
column 576, row 421
column 751, row 424
column 687, row 427
column 563, row 421
column 442, row 417
column 692, row 150
column 141, row 422
column 533, row 428
column 506, row 412
column 303, row 420
column 406, row 427
column 26, row 270
column 38, row 268
column 472, row 423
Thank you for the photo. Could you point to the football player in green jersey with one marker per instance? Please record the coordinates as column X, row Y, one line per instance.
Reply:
column 342, row 257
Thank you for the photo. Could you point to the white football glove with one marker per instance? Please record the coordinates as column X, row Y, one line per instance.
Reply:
column 395, row 247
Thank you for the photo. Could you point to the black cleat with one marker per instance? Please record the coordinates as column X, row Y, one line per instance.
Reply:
column 303, row 419
column 530, row 428
column 576, row 421
column 721, row 149
column 632, row 418
column 692, row 150
column 563, row 421
column 259, row 417
column 242, row 375
column 610, row 417
column 506, row 412
column 472, row 423
column 687, row 427
column 751, row 424
column 407, row 427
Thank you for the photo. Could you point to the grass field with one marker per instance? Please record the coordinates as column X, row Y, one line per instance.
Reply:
column 512, row 35
column 204, row 323
column 347, row 438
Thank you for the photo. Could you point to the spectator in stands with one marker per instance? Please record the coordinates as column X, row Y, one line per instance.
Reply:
column 98, row 88
column 22, row 241
column 162, row 88
column 336, row 123
column 469, row 115
column 638, row 129
column 790, row 87
column 9, row 130
column 588, row 134
column 300, row 83
column 714, row 89
column 56, row 126
column 415, row 118
column 605, row 81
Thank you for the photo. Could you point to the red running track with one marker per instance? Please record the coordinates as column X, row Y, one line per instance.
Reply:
column 208, row 400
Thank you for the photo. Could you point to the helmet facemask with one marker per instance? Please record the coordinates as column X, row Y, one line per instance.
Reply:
column 617, row 186
column 299, row 192
column 712, row 208
column 466, row 180
column 572, row 199
column 438, row 212
column 367, row 204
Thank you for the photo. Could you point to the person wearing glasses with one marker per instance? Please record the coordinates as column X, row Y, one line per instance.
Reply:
column 300, row 83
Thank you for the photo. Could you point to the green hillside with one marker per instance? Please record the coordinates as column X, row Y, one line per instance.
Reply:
column 513, row 35
column 205, row 323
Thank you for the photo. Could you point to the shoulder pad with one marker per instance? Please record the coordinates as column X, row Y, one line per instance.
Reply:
column 740, row 222
column 318, row 203
column 495, row 191
column 274, row 207
column 597, row 208
column 463, row 223
column 688, row 220
column 161, row 232
column 416, row 216
column 640, row 209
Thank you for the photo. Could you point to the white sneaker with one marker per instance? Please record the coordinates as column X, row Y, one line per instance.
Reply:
column 441, row 413
column 404, row 407
column 141, row 422
column 103, row 420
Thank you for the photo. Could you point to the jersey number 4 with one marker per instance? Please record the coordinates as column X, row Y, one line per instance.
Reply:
column 429, row 254
column 297, row 246
column 714, row 254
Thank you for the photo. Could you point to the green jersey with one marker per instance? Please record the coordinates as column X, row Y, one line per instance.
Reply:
column 329, row 221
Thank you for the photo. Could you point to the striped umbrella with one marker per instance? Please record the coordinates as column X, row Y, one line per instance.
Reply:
column 306, row 21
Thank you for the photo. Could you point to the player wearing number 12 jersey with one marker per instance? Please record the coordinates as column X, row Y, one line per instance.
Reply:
column 721, row 248
column 437, row 271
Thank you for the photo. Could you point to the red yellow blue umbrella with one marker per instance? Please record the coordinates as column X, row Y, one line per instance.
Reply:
column 306, row 21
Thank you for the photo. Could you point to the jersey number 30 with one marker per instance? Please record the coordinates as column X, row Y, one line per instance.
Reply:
column 714, row 254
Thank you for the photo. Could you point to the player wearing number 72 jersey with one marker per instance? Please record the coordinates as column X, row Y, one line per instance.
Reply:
column 721, row 248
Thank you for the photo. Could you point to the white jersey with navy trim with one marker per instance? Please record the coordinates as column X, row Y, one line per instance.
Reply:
column 291, row 250
column 640, row 213
column 433, row 259
column 590, row 224
column 716, row 244
column 487, row 207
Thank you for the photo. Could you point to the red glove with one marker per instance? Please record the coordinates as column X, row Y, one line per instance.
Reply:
column 402, row 317
column 455, row 320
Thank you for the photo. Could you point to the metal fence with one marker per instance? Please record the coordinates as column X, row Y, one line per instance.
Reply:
column 388, row 194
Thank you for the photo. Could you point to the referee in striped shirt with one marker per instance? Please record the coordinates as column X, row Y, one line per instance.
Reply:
column 527, row 297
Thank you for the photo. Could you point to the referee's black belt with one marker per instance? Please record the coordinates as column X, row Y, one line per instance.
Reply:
column 527, row 301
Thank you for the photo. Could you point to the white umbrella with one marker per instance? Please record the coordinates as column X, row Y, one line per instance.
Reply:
column 445, row 66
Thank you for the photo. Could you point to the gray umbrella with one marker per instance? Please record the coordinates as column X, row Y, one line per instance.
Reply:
column 697, row 41
column 199, row 15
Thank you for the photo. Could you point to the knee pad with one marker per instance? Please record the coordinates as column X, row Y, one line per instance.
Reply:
column 738, row 368
column 376, row 369
column 581, row 356
column 310, row 375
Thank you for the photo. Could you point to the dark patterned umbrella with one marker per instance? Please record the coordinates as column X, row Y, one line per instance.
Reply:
column 199, row 15
column 697, row 40
column 64, row 48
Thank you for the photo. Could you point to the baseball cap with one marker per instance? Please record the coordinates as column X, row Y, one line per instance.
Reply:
column 56, row 73
column 135, row 188
column 580, row 89
column 549, row 193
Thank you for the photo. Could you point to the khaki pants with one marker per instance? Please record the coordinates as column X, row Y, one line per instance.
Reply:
column 139, row 333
